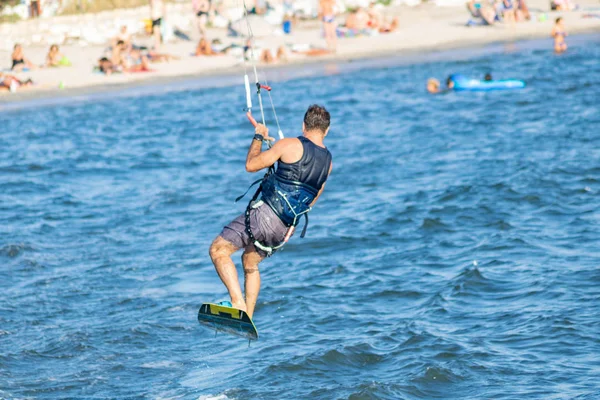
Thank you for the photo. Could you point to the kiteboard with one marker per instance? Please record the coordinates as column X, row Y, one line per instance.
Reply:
column 227, row 319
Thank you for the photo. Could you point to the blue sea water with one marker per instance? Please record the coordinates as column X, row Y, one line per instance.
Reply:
column 455, row 253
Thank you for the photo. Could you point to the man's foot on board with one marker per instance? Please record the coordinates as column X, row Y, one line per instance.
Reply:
column 240, row 306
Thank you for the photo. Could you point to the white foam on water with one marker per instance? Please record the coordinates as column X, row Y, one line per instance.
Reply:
column 162, row 364
column 211, row 397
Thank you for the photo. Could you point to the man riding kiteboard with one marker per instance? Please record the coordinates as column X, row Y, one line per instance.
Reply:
column 286, row 195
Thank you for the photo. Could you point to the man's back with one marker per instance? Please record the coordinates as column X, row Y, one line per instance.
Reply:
column 305, row 162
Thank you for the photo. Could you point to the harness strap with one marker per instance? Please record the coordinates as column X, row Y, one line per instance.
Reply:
column 247, row 190
column 305, row 226
column 267, row 249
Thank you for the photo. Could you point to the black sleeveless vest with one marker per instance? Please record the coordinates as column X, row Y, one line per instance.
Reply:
column 293, row 187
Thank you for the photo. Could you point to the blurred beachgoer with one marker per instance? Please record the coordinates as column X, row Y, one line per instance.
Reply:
column 483, row 12
column 19, row 62
column 201, row 9
column 487, row 77
column 136, row 62
column 358, row 20
column 327, row 14
column 313, row 52
column 508, row 11
column 559, row 33
column 289, row 16
column 35, row 9
column 119, row 54
column 260, row 7
column 389, row 27
column 375, row 16
column 267, row 57
column 377, row 21
column 522, row 11
column 157, row 13
column 106, row 66
column 563, row 5
column 55, row 58
column 205, row 49
column 123, row 36
column 155, row 57
column 219, row 47
column 12, row 83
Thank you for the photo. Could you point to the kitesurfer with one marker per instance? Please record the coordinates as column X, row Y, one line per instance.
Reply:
column 286, row 195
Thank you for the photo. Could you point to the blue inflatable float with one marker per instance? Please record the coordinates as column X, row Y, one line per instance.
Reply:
column 463, row 83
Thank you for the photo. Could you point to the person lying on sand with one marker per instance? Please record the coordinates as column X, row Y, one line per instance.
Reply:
column 313, row 52
column 378, row 22
column 155, row 57
column 358, row 20
column 55, row 58
column 135, row 61
column 19, row 62
column 361, row 22
column 218, row 46
column 12, row 83
column 204, row 48
column 264, row 55
column 563, row 5
column 106, row 66
column 267, row 57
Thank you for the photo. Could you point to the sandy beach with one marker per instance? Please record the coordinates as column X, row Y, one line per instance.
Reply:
column 422, row 28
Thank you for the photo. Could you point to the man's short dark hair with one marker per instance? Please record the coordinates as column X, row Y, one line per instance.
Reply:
column 317, row 117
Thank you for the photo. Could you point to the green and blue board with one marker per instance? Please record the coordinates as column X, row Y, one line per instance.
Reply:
column 227, row 319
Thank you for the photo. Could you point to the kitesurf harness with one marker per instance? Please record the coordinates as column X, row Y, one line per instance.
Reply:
column 288, row 214
column 291, row 190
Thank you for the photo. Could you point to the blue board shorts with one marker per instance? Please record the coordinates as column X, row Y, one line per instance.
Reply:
column 266, row 227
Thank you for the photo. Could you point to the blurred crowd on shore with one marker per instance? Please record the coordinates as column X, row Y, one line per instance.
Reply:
column 133, row 48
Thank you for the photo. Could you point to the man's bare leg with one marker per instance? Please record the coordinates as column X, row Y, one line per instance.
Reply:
column 251, row 259
column 220, row 254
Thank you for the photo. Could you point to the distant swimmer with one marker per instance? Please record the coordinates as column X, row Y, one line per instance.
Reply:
column 559, row 33
column 434, row 86
column 488, row 77
column 286, row 196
